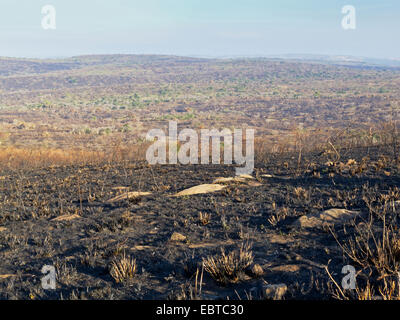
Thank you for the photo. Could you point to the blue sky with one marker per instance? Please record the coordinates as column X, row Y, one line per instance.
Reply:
column 200, row 27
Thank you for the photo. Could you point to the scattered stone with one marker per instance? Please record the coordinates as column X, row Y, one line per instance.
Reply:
column 244, row 179
column 67, row 217
column 280, row 239
column 201, row 189
column 143, row 248
column 327, row 217
column 310, row 262
column 286, row 268
column 274, row 291
column 211, row 245
column 246, row 176
column 178, row 237
column 254, row 184
column 255, row 271
column 225, row 180
column 128, row 196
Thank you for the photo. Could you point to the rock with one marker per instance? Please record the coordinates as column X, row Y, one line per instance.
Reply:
column 128, row 196
column 211, row 244
column 274, row 291
column 227, row 180
column 242, row 179
column 67, row 217
column 287, row 268
column 201, row 189
column 178, row 237
column 3, row 229
column 255, row 271
column 246, row 176
column 143, row 248
column 280, row 239
column 328, row 217
column 254, row 184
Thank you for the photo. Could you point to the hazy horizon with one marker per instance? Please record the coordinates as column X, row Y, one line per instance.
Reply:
column 284, row 56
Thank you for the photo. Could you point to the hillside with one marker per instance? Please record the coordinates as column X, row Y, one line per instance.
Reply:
column 77, row 193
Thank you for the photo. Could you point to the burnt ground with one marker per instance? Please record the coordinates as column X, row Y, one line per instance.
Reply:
column 263, row 215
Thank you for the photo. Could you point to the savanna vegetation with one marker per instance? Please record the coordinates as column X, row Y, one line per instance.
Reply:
column 77, row 193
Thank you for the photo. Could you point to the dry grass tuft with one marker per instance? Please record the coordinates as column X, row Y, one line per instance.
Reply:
column 375, row 251
column 205, row 218
column 301, row 193
column 123, row 269
column 227, row 268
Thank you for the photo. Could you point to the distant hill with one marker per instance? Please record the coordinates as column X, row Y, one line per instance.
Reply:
column 341, row 60
column 18, row 66
column 13, row 66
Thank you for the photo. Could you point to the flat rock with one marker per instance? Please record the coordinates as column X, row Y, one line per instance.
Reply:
column 244, row 179
column 67, row 217
column 228, row 180
column 143, row 248
column 286, row 268
column 128, row 196
column 327, row 217
column 201, row 189
column 211, row 244
column 246, row 176
column 238, row 179
column 178, row 237
column 280, row 239
column 254, row 184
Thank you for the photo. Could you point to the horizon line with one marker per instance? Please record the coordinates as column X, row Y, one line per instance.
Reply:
column 208, row 56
